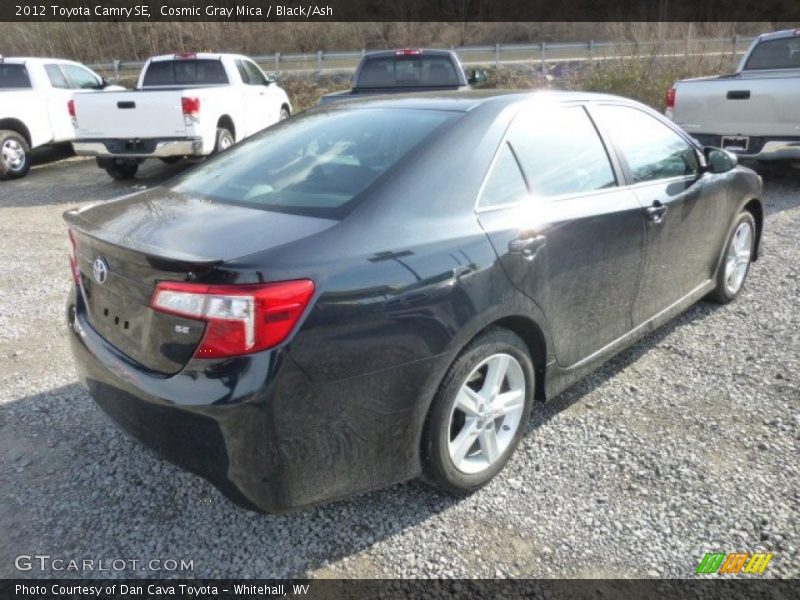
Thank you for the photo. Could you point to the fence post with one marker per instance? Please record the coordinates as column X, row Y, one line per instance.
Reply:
column 277, row 62
column 497, row 56
column 363, row 52
column 319, row 60
column 116, row 69
column 544, row 57
column 591, row 49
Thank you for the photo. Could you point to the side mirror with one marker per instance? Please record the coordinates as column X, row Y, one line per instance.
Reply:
column 719, row 160
column 477, row 76
column 272, row 78
column 104, row 83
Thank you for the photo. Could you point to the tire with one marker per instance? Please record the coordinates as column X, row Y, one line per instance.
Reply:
column 224, row 141
column 455, row 443
column 284, row 114
column 15, row 155
column 736, row 259
column 119, row 168
column 171, row 160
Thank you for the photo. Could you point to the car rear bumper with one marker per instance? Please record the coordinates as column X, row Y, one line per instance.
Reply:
column 256, row 426
column 759, row 147
column 136, row 148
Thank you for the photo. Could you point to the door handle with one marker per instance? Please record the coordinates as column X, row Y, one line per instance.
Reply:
column 526, row 245
column 656, row 212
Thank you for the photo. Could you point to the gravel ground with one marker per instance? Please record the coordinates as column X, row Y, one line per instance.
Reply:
column 686, row 443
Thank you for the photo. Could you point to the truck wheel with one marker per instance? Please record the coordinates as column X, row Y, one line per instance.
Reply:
column 119, row 168
column 15, row 158
column 224, row 140
column 284, row 114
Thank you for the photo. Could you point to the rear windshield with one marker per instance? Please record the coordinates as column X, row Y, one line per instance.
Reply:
column 775, row 54
column 184, row 72
column 407, row 71
column 14, row 77
column 313, row 165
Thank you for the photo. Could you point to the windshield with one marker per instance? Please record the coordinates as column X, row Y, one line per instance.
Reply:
column 14, row 77
column 185, row 72
column 316, row 164
column 775, row 54
column 408, row 71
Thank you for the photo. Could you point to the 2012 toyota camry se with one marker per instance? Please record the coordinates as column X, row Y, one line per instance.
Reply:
column 381, row 290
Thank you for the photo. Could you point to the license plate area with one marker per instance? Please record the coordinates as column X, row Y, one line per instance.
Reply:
column 735, row 143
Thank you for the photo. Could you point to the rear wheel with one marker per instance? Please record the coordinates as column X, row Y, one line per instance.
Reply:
column 224, row 140
column 736, row 260
column 479, row 413
column 284, row 114
column 15, row 158
column 119, row 168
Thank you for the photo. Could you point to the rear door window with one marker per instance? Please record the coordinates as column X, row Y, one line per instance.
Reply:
column 652, row 150
column 185, row 72
column 560, row 151
column 14, row 77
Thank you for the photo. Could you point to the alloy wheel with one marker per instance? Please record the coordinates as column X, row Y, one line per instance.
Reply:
column 13, row 155
column 738, row 257
column 487, row 413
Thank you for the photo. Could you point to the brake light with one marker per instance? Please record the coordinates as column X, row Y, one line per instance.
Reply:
column 71, row 108
column 73, row 259
column 240, row 319
column 190, row 106
column 670, row 98
column 180, row 55
column 407, row 52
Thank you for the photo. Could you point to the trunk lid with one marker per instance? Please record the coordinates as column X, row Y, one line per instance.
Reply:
column 163, row 236
column 121, row 115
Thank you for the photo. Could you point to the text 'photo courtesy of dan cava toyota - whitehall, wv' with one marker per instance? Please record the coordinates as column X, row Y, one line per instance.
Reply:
column 485, row 299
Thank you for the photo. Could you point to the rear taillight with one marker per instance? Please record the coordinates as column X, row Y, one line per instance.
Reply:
column 407, row 52
column 191, row 110
column 190, row 106
column 670, row 98
column 240, row 319
column 71, row 111
column 73, row 259
column 184, row 55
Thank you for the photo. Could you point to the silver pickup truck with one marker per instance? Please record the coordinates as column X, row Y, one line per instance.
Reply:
column 754, row 112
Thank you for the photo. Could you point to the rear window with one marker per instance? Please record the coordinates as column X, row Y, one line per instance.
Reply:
column 775, row 54
column 408, row 71
column 14, row 77
column 314, row 165
column 185, row 72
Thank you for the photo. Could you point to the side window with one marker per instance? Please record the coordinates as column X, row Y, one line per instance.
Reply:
column 560, row 151
column 653, row 151
column 256, row 76
column 56, row 77
column 81, row 78
column 242, row 71
column 505, row 183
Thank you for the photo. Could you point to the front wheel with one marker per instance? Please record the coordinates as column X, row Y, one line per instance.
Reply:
column 15, row 160
column 480, row 413
column 736, row 260
column 119, row 168
column 284, row 114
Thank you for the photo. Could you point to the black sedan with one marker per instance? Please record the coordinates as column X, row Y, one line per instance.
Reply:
column 381, row 290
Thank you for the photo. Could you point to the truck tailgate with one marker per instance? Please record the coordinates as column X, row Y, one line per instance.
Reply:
column 138, row 114
column 749, row 105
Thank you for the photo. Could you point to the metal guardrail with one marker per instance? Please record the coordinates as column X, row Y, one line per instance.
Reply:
column 542, row 53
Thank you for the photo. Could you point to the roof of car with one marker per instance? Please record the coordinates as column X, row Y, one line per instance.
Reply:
column 405, row 52
column 190, row 55
column 468, row 100
column 775, row 35
column 18, row 60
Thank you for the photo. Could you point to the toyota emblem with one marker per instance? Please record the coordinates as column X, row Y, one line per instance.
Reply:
column 100, row 270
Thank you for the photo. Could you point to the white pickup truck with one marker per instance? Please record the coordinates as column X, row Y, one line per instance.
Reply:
column 35, row 95
column 754, row 112
column 184, row 105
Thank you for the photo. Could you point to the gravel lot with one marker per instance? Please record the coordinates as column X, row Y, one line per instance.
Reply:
column 686, row 443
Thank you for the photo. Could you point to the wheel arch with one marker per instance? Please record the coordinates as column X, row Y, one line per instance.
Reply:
column 18, row 126
column 756, row 208
column 227, row 122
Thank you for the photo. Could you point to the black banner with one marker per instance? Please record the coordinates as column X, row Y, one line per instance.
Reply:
column 399, row 10
column 471, row 589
